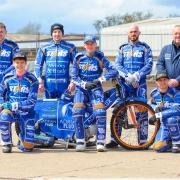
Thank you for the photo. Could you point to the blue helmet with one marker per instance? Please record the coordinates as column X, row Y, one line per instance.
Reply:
column 89, row 38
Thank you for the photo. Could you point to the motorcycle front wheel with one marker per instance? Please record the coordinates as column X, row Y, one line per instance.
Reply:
column 130, row 127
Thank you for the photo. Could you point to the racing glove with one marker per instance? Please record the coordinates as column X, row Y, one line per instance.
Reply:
column 135, row 83
column 136, row 76
column 155, row 117
column 11, row 106
column 129, row 78
column 91, row 85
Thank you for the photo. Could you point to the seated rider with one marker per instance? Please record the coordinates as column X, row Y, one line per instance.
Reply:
column 166, row 99
column 18, row 90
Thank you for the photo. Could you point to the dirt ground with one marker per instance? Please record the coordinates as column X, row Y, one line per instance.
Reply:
column 57, row 163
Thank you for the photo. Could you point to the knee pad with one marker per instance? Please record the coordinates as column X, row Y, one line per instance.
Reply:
column 78, row 109
column 99, row 110
column 6, row 115
column 28, row 145
column 161, row 146
column 172, row 121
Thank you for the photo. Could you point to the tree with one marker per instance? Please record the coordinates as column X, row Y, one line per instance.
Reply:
column 30, row 28
column 121, row 19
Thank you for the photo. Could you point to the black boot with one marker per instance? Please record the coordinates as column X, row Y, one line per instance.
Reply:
column 176, row 148
column 111, row 144
column 7, row 148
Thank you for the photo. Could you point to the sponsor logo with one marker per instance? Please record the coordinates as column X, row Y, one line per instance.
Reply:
column 133, row 54
column 88, row 67
column 19, row 88
column 5, row 53
column 167, row 56
column 61, row 53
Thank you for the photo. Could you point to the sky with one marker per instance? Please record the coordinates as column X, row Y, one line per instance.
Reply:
column 77, row 16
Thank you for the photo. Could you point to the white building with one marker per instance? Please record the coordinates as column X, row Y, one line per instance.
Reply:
column 155, row 32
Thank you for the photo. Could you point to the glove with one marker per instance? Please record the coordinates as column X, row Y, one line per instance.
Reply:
column 91, row 85
column 136, row 76
column 135, row 84
column 11, row 106
column 154, row 118
column 158, row 109
column 129, row 78
column 102, row 79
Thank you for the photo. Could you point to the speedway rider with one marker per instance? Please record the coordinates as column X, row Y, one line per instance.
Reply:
column 134, row 61
column 19, row 90
column 57, row 54
column 7, row 50
column 162, row 98
column 87, row 75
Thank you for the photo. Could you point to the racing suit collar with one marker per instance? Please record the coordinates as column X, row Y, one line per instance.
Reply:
column 134, row 43
column 56, row 43
column 14, row 72
column 89, row 55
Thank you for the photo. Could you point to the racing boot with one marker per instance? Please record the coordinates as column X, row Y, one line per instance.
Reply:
column 176, row 148
column 112, row 144
column 80, row 146
column 100, row 147
column 7, row 148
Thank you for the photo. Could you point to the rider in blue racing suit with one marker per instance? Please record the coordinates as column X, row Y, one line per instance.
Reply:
column 162, row 98
column 134, row 61
column 57, row 54
column 7, row 50
column 19, row 90
column 170, row 118
column 87, row 75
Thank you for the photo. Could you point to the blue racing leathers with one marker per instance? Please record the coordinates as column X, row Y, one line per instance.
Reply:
column 169, row 62
column 162, row 101
column 136, row 59
column 88, row 69
column 171, row 119
column 21, row 94
column 57, row 57
column 7, row 50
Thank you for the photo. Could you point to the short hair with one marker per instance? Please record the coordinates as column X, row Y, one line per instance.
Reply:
column 2, row 25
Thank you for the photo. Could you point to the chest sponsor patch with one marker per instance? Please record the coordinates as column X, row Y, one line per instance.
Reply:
column 5, row 53
column 88, row 67
column 62, row 53
column 19, row 88
column 167, row 56
column 137, row 54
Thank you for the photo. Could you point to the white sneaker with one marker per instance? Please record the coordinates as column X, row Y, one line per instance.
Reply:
column 80, row 146
column 100, row 147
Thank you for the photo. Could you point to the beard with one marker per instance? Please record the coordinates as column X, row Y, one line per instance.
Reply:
column 133, row 38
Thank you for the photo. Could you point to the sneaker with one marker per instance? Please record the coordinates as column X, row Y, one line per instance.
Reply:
column 176, row 148
column 111, row 144
column 80, row 146
column 100, row 147
column 7, row 148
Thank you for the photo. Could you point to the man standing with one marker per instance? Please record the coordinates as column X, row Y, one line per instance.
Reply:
column 134, row 61
column 7, row 50
column 57, row 54
column 19, row 90
column 87, row 75
column 169, row 59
